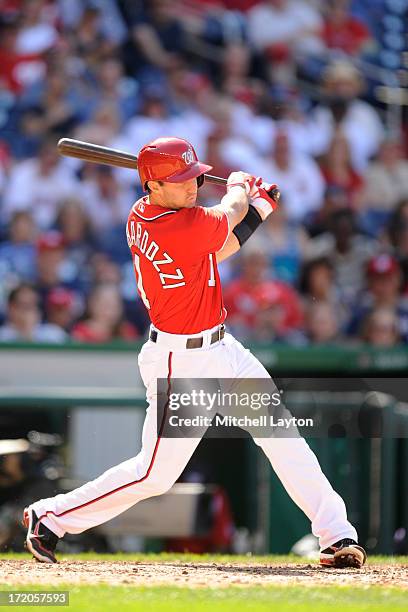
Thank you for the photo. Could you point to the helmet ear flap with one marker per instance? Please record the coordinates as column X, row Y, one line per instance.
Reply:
column 200, row 180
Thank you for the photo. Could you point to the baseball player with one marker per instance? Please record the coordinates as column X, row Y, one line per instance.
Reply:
column 176, row 246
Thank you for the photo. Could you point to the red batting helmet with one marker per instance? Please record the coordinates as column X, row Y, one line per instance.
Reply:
column 169, row 159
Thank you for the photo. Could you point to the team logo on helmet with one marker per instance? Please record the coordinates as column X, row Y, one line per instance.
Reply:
column 188, row 156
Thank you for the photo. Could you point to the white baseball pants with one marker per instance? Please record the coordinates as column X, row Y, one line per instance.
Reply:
column 161, row 460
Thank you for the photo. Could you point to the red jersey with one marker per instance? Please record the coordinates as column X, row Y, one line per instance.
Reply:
column 176, row 270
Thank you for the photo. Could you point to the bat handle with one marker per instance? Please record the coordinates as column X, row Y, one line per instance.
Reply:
column 217, row 180
column 274, row 194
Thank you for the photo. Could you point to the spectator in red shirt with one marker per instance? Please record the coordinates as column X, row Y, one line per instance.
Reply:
column 343, row 31
column 17, row 68
column 104, row 321
column 259, row 307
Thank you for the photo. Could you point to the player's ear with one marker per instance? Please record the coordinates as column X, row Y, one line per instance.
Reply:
column 154, row 186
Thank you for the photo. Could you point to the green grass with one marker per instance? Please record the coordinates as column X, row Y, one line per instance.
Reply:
column 271, row 598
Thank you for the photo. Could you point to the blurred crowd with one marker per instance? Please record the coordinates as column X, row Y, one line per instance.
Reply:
column 299, row 92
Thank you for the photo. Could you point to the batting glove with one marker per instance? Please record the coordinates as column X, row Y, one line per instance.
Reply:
column 240, row 179
column 264, row 196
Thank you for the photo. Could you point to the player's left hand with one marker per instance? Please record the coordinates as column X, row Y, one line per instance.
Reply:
column 264, row 196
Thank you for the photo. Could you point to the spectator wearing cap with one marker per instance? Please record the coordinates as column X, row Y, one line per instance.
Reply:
column 259, row 307
column 60, row 308
column 23, row 321
column 380, row 328
column 383, row 290
column 347, row 249
column 342, row 109
column 38, row 184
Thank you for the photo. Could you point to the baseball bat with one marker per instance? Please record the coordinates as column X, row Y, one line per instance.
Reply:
column 98, row 154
